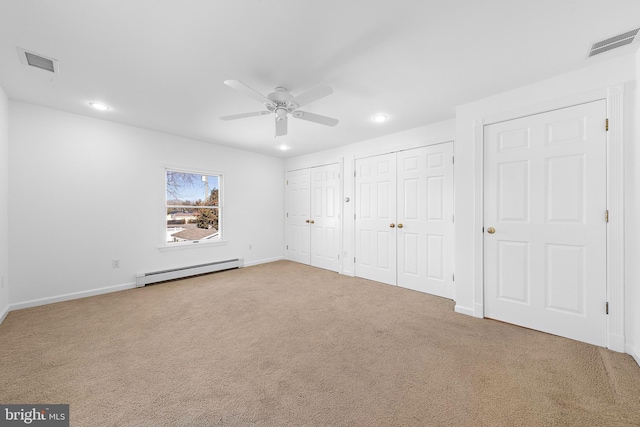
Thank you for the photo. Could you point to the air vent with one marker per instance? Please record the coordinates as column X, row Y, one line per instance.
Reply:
column 38, row 61
column 613, row 42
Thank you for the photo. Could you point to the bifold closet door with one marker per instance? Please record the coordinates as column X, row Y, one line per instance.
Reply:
column 313, row 229
column 325, row 217
column 298, row 246
column 404, row 219
column 375, row 239
column 425, row 219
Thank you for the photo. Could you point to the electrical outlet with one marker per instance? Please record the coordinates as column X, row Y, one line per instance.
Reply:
column 115, row 263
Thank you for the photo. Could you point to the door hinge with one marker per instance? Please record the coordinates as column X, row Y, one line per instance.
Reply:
column 607, row 307
column 287, row 214
column 354, row 174
column 606, row 125
column 453, row 159
column 338, row 256
column 354, row 260
column 453, row 277
column 453, row 218
column 287, row 182
column 287, row 247
column 606, row 215
column 354, row 216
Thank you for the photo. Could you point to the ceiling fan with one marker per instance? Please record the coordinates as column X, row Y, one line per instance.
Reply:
column 281, row 102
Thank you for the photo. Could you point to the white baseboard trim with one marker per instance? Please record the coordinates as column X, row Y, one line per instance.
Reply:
column 463, row 310
column 634, row 352
column 4, row 312
column 263, row 261
column 71, row 296
column 93, row 292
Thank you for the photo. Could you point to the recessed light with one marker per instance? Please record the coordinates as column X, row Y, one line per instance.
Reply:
column 100, row 106
column 283, row 147
column 380, row 118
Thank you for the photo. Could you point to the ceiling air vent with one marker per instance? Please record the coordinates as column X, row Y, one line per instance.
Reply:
column 613, row 42
column 38, row 61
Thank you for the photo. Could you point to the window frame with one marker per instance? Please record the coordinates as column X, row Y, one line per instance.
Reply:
column 165, row 245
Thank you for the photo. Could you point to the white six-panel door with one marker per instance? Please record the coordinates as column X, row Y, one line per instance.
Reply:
column 313, row 229
column 544, row 222
column 298, row 246
column 375, row 197
column 404, row 219
column 425, row 219
column 325, row 216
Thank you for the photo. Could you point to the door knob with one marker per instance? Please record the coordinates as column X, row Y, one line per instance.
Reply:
column 400, row 225
column 312, row 222
column 392, row 225
column 307, row 221
column 491, row 230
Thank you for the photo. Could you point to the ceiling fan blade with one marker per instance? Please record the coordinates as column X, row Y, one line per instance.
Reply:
column 312, row 95
column 243, row 115
column 241, row 87
column 281, row 126
column 316, row 118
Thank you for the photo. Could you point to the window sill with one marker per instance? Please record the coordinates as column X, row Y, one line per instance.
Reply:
column 191, row 245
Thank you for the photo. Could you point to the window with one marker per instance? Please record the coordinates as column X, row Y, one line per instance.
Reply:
column 192, row 207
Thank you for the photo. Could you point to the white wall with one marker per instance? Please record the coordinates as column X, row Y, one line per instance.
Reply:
column 468, row 197
column 632, row 276
column 85, row 191
column 4, row 204
column 424, row 135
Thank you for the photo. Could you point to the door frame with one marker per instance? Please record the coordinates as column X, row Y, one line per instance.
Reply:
column 614, row 97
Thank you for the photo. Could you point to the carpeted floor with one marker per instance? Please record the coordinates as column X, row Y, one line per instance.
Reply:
column 284, row 344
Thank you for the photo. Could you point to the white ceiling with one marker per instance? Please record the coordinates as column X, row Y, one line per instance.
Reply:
column 160, row 64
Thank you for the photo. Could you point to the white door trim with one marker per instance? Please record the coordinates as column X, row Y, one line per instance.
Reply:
column 614, row 95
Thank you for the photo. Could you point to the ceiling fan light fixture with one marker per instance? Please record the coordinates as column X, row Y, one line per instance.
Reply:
column 281, row 113
column 380, row 118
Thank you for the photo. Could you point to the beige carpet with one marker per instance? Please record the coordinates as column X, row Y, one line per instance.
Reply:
column 284, row 344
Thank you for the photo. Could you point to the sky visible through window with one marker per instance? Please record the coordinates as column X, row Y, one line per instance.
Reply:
column 195, row 187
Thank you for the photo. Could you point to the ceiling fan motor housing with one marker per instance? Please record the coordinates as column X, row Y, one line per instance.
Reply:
column 280, row 94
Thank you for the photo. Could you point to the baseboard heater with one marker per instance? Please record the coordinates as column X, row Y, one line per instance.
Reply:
column 143, row 279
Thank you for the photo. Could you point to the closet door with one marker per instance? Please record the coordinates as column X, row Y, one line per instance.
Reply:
column 545, row 241
column 298, row 246
column 375, row 197
column 325, row 216
column 425, row 219
column 404, row 219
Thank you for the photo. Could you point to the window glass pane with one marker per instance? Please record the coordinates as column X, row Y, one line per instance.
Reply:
column 190, row 189
column 192, row 223
column 192, row 207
